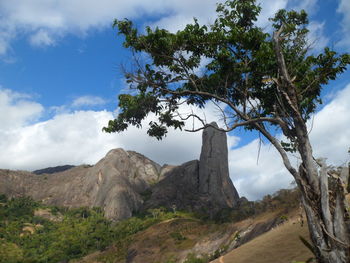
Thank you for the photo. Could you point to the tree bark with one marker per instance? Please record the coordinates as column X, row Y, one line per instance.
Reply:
column 328, row 231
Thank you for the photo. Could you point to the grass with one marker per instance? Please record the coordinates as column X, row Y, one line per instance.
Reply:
column 280, row 245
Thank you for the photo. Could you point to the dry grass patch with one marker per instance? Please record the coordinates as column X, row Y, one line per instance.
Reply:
column 280, row 245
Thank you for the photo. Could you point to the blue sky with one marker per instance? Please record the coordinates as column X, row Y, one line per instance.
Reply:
column 60, row 76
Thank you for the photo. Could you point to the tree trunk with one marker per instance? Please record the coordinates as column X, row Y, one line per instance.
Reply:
column 325, row 210
column 324, row 205
column 328, row 230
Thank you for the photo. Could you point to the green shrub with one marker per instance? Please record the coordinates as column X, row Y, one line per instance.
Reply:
column 177, row 236
column 10, row 253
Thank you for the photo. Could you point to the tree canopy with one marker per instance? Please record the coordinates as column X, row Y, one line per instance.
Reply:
column 232, row 61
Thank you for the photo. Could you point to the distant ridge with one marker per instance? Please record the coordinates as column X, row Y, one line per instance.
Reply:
column 52, row 170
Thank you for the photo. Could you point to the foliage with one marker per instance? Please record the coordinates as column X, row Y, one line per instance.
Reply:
column 18, row 207
column 10, row 253
column 82, row 231
column 177, row 236
column 3, row 198
column 85, row 230
column 242, row 69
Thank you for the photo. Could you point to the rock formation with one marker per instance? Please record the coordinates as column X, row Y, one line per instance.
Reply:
column 117, row 183
column 213, row 168
column 202, row 185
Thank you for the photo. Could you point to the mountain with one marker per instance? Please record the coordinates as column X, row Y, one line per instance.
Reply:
column 115, row 184
column 51, row 170
column 125, row 182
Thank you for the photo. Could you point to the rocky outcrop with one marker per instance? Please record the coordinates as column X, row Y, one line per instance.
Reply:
column 213, row 168
column 115, row 183
column 202, row 185
column 119, row 181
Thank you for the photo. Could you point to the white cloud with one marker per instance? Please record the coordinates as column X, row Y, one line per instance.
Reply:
column 88, row 101
column 310, row 6
column 4, row 42
column 17, row 110
column 66, row 139
column 183, row 12
column 344, row 9
column 76, row 137
column 316, row 37
column 6, row 35
column 269, row 8
column 256, row 175
column 331, row 129
column 42, row 38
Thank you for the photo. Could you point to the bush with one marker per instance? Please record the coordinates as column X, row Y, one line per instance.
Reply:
column 10, row 253
column 177, row 236
column 20, row 207
column 192, row 258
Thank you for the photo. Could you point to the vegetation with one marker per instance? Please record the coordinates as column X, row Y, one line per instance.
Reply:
column 259, row 81
column 27, row 238
column 191, row 258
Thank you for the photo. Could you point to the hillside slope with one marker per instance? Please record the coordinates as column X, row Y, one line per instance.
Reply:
column 38, row 233
column 192, row 240
column 280, row 245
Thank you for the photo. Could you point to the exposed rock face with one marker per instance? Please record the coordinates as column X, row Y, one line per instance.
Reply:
column 179, row 188
column 199, row 185
column 114, row 183
column 213, row 168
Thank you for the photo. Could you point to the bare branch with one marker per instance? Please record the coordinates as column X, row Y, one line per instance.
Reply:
column 223, row 114
column 290, row 93
column 242, row 123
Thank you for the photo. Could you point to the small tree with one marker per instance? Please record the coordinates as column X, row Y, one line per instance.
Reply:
column 259, row 81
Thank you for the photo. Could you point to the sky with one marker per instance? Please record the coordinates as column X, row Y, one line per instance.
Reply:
column 60, row 75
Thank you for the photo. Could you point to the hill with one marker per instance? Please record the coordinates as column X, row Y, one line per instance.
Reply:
column 194, row 240
column 33, row 232
column 280, row 245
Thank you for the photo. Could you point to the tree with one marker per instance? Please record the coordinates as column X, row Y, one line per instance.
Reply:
column 259, row 81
